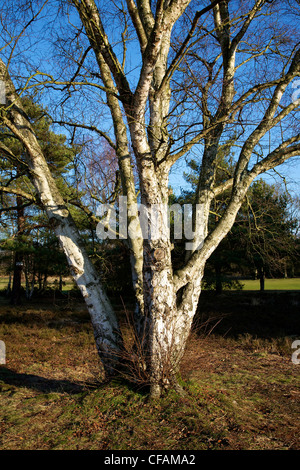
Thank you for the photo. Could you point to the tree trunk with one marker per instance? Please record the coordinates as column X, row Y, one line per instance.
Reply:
column 106, row 329
column 17, row 280
column 171, row 324
column 32, row 287
column 168, row 318
column 285, row 270
column 8, row 289
column 40, row 281
column 18, row 262
column 161, row 315
column 45, row 280
column 261, row 278
column 60, row 284
column 218, row 271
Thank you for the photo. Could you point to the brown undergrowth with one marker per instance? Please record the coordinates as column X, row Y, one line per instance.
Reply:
column 242, row 388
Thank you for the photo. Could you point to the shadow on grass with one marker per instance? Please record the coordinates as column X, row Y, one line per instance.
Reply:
column 53, row 319
column 264, row 315
column 41, row 384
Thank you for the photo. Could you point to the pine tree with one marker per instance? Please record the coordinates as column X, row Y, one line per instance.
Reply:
column 20, row 206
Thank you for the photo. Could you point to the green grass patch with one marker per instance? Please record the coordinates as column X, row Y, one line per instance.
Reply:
column 273, row 284
column 52, row 283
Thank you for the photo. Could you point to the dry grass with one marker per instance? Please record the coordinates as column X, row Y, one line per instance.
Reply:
column 243, row 390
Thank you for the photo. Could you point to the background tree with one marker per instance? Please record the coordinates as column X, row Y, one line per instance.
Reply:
column 270, row 244
column 19, row 202
column 264, row 237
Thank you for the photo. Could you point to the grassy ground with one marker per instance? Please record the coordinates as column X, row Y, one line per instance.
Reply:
column 270, row 284
column 273, row 284
column 243, row 389
column 68, row 284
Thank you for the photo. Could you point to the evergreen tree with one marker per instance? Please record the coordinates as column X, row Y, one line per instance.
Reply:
column 20, row 210
column 261, row 242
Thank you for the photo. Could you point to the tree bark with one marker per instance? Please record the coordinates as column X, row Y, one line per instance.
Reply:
column 106, row 329
column 19, row 258
column 261, row 279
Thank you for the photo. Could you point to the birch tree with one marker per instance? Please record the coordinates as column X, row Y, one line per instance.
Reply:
column 203, row 71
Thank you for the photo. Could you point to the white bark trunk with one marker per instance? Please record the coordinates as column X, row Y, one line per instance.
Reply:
column 104, row 321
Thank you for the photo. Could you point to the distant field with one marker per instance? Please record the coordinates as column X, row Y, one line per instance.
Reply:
column 68, row 283
column 273, row 284
column 3, row 282
column 270, row 284
column 242, row 388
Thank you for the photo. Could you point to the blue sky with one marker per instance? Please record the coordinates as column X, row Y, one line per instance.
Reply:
column 37, row 49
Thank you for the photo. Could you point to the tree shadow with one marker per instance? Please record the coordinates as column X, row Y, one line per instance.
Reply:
column 42, row 384
column 264, row 315
column 39, row 320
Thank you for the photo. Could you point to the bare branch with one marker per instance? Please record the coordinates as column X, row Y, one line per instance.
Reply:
column 136, row 20
column 19, row 192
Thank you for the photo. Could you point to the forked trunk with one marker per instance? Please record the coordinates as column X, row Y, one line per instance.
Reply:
column 169, row 328
column 161, row 315
column 19, row 256
column 168, row 318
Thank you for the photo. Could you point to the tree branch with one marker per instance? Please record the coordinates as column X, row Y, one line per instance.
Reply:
column 181, row 52
column 19, row 192
column 137, row 23
column 277, row 157
column 91, row 20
